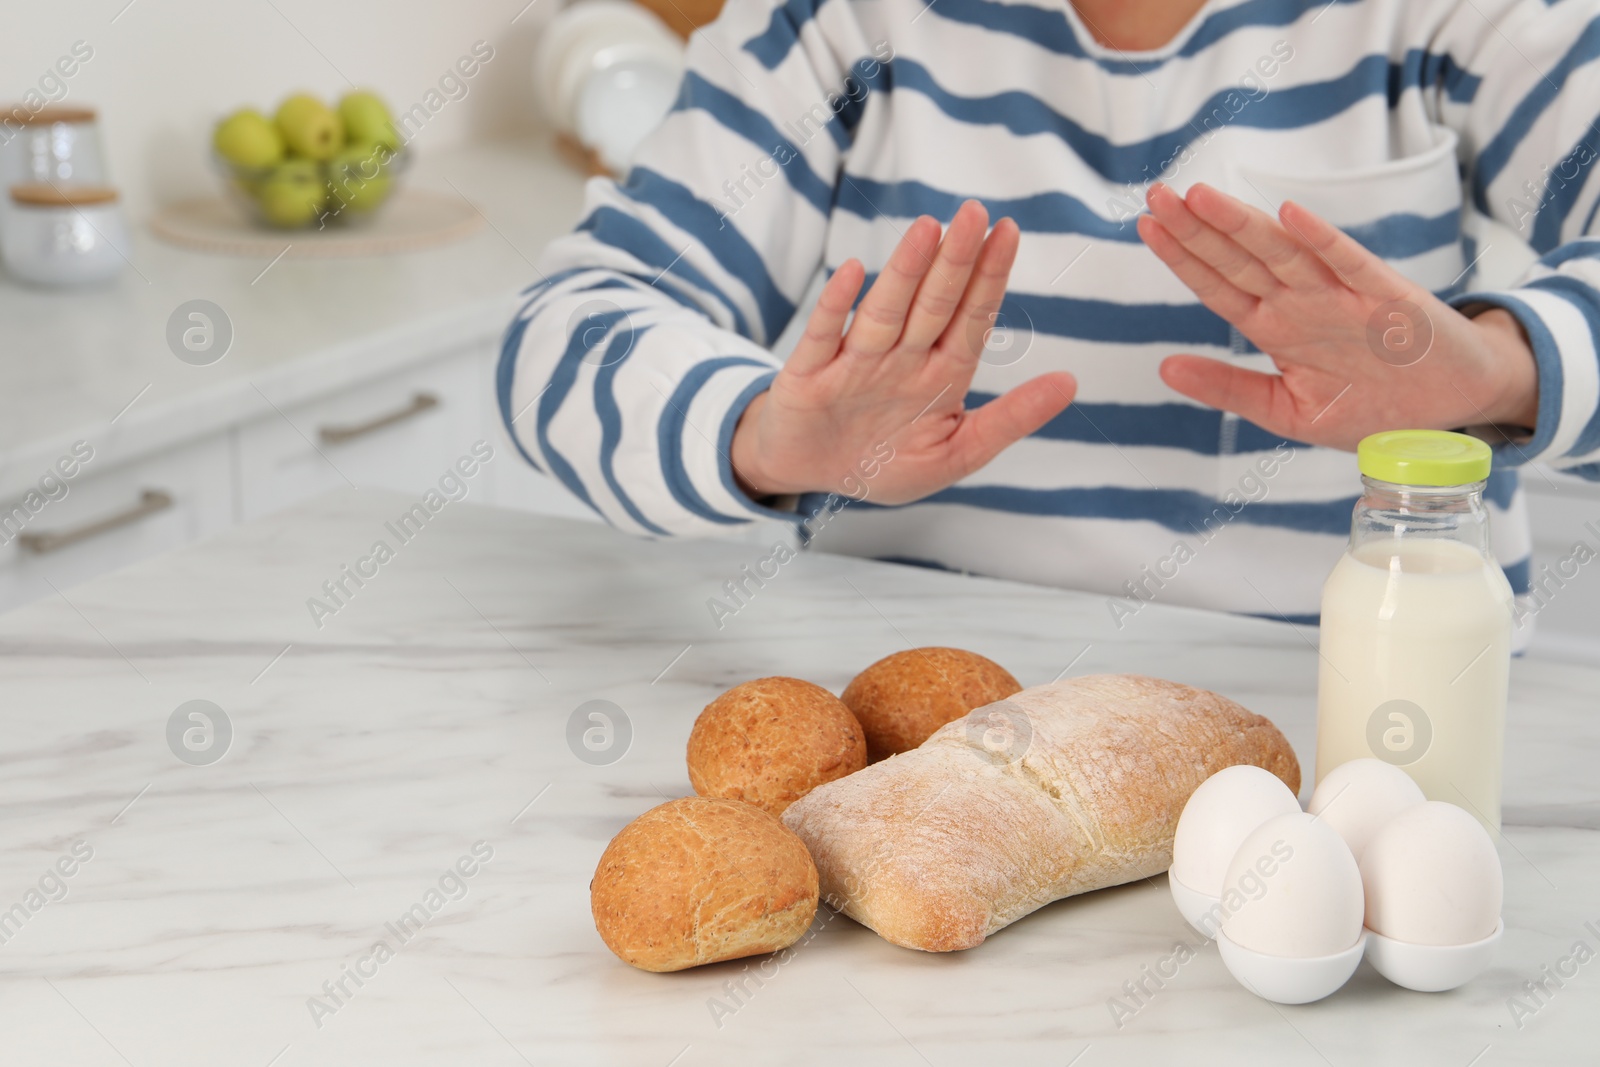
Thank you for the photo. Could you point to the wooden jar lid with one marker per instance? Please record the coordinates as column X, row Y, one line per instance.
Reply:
column 42, row 194
column 48, row 115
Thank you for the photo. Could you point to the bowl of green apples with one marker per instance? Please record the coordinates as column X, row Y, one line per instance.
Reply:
column 309, row 164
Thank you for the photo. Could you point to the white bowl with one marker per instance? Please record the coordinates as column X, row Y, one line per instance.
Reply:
column 1286, row 980
column 1201, row 910
column 1432, row 968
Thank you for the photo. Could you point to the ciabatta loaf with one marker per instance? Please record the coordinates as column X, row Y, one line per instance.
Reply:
column 1060, row 789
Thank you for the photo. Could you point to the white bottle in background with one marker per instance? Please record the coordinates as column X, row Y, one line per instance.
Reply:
column 607, row 73
column 1416, row 624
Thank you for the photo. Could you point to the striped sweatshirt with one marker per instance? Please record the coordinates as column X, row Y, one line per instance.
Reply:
column 807, row 132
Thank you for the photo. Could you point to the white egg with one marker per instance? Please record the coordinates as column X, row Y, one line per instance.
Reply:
column 1361, row 797
column 1433, row 877
column 1293, row 889
column 1218, row 817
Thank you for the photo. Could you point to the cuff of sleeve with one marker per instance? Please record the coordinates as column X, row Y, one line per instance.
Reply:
column 707, row 467
column 1565, row 358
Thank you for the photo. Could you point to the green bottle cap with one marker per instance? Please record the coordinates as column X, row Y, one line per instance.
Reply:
column 1423, row 457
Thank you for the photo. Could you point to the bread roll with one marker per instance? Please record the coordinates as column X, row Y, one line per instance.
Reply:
column 771, row 741
column 1061, row 789
column 902, row 699
column 697, row 880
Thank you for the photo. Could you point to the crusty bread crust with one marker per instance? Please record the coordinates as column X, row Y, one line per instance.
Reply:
column 903, row 698
column 700, row 879
column 771, row 741
column 1060, row 789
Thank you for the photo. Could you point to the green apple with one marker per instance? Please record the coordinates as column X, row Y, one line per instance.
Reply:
column 247, row 139
column 359, row 178
column 310, row 127
column 293, row 194
column 367, row 120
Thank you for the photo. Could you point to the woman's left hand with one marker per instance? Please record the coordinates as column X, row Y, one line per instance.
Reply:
column 1359, row 348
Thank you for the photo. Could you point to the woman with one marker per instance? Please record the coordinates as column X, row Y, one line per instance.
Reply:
column 1234, row 238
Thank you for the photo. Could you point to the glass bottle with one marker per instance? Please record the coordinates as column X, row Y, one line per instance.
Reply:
column 1416, row 624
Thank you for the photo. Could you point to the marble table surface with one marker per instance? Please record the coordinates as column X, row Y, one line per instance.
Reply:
column 227, row 911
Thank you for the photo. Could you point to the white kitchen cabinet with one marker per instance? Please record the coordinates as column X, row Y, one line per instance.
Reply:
column 402, row 431
column 399, row 432
column 112, row 517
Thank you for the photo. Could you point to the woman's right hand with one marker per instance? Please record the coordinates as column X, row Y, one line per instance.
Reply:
column 895, row 384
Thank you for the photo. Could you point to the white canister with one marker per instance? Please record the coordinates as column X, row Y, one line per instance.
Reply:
column 55, row 145
column 64, row 234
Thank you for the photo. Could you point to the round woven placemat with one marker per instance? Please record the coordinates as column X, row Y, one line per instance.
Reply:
column 413, row 219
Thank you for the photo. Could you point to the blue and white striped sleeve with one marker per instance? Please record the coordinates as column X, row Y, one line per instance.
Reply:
column 1528, row 108
column 626, row 369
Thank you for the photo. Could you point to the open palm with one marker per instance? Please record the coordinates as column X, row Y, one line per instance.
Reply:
column 895, row 383
column 1359, row 348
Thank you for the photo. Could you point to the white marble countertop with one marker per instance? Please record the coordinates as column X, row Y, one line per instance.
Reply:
column 76, row 359
column 429, row 714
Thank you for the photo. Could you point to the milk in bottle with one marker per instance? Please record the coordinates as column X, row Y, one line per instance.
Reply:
column 1416, row 624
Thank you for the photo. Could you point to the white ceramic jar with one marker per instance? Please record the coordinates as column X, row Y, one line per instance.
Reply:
column 64, row 234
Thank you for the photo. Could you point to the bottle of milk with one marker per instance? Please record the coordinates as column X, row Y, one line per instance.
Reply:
column 1416, row 624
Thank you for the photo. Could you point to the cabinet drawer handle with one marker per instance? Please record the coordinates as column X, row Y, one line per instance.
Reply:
column 150, row 502
column 338, row 435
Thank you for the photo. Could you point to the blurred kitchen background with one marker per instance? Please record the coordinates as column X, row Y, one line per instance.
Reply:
column 313, row 367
